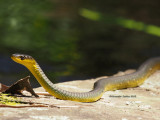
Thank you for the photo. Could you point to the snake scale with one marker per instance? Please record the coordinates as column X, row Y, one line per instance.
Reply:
column 100, row 86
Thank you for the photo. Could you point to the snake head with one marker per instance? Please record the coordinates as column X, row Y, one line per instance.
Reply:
column 23, row 59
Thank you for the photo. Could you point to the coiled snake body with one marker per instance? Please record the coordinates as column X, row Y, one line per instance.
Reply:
column 102, row 85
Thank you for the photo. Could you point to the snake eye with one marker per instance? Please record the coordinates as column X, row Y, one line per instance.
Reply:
column 22, row 57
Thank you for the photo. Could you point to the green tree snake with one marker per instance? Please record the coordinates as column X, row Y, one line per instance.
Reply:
column 102, row 85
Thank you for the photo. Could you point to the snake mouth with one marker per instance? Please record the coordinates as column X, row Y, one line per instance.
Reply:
column 23, row 59
column 15, row 58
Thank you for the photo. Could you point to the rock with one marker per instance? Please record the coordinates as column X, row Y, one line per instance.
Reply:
column 140, row 103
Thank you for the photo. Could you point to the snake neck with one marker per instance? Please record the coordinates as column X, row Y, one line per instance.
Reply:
column 41, row 77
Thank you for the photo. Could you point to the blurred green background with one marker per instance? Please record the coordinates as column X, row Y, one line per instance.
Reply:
column 78, row 39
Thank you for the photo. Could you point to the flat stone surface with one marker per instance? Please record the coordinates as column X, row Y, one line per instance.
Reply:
column 140, row 103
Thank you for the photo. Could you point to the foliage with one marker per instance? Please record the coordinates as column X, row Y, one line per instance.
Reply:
column 26, row 27
column 8, row 100
column 123, row 22
column 89, row 38
column 110, row 46
column 29, row 27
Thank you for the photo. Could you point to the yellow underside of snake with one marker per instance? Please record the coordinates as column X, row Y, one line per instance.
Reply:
column 102, row 85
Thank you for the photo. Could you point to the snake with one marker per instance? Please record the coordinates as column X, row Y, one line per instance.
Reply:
column 100, row 86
